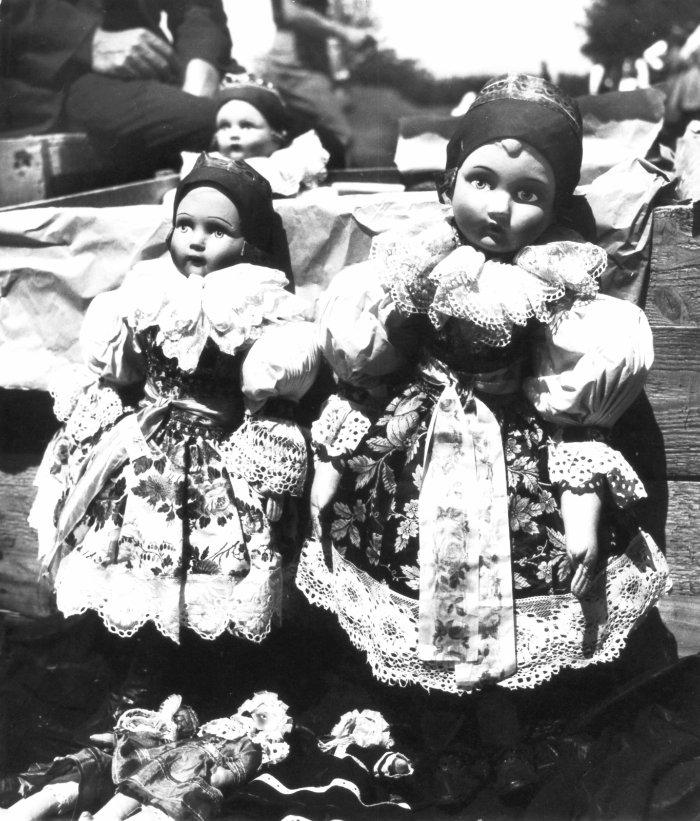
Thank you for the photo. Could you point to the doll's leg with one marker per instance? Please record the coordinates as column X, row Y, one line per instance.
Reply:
column 502, row 734
column 53, row 799
column 118, row 807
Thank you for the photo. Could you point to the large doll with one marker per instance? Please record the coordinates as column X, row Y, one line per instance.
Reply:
column 476, row 529
column 158, row 499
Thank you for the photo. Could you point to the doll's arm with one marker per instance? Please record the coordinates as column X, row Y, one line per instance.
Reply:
column 52, row 800
column 581, row 516
column 119, row 807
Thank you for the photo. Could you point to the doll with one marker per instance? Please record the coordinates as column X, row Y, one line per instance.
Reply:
column 477, row 529
column 159, row 498
column 164, row 760
column 253, row 124
column 352, row 772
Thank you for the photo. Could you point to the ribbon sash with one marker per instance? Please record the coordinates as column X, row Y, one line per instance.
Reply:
column 465, row 607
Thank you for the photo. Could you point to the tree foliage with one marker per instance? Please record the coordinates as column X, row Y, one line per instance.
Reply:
column 617, row 29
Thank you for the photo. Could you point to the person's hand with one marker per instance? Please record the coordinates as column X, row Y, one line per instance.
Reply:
column 201, row 78
column 323, row 488
column 133, row 54
column 273, row 507
column 358, row 38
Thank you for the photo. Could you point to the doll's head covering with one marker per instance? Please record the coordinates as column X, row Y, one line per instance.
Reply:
column 260, row 94
column 526, row 108
column 250, row 192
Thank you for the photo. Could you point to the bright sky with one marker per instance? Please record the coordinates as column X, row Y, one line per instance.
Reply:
column 451, row 37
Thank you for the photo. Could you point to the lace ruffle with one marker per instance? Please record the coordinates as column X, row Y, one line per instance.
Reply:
column 495, row 296
column 271, row 455
column 96, row 409
column 432, row 273
column 213, row 604
column 405, row 260
column 338, row 429
column 583, row 465
column 232, row 307
column 66, row 388
column 553, row 632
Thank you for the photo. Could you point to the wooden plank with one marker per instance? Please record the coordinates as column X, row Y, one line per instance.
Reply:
column 673, row 388
column 20, row 590
column 681, row 615
column 673, row 296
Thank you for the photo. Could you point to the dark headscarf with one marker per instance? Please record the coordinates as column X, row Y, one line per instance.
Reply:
column 529, row 109
column 250, row 192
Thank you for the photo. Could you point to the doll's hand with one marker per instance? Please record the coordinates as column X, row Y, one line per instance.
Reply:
column 273, row 507
column 581, row 515
column 583, row 560
column 103, row 740
column 323, row 488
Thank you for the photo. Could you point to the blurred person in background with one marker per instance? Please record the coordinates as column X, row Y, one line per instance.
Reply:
column 107, row 67
column 309, row 64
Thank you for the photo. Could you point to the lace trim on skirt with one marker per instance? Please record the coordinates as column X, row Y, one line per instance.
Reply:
column 552, row 632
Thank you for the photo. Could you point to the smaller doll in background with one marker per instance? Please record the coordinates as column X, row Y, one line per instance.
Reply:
column 164, row 760
column 253, row 124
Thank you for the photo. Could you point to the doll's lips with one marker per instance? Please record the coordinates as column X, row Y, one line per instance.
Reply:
column 199, row 261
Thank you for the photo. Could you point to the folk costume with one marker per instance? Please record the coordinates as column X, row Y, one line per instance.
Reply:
column 443, row 552
column 154, row 510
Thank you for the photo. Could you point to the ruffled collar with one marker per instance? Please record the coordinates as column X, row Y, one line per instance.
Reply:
column 433, row 273
column 231, row 306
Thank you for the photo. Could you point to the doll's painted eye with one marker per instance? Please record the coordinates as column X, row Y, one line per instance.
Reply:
column 219, row 234
column 527, row 195
column 479, row 183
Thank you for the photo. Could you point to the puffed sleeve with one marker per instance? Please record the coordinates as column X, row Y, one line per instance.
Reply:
column 84, row 395
column 284, row 362
column 108, row 347
column 588, row 368
column 268, row 451
column 353, row 318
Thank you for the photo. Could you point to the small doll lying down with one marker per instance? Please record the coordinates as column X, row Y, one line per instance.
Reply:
column 164, row 763
column 164, row 760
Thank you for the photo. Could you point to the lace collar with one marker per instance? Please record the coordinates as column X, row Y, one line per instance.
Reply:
column 231, row 306
column 445, row 279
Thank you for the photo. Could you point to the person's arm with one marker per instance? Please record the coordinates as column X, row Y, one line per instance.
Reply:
column 300, row 18
column 201, row 78
column 202, row 43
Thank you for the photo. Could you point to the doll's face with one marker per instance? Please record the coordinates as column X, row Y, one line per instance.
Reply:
column 242, row 132
column 504, row 196
column 207, row 232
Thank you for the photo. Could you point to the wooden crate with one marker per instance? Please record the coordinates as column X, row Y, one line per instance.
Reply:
column 36, row 167
column 662, row 439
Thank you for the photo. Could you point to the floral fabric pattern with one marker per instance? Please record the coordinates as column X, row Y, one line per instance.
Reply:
column 174, row 523
column 373, row 521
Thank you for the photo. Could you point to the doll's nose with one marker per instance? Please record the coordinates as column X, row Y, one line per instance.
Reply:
column 498, row 202
column 198, row 239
